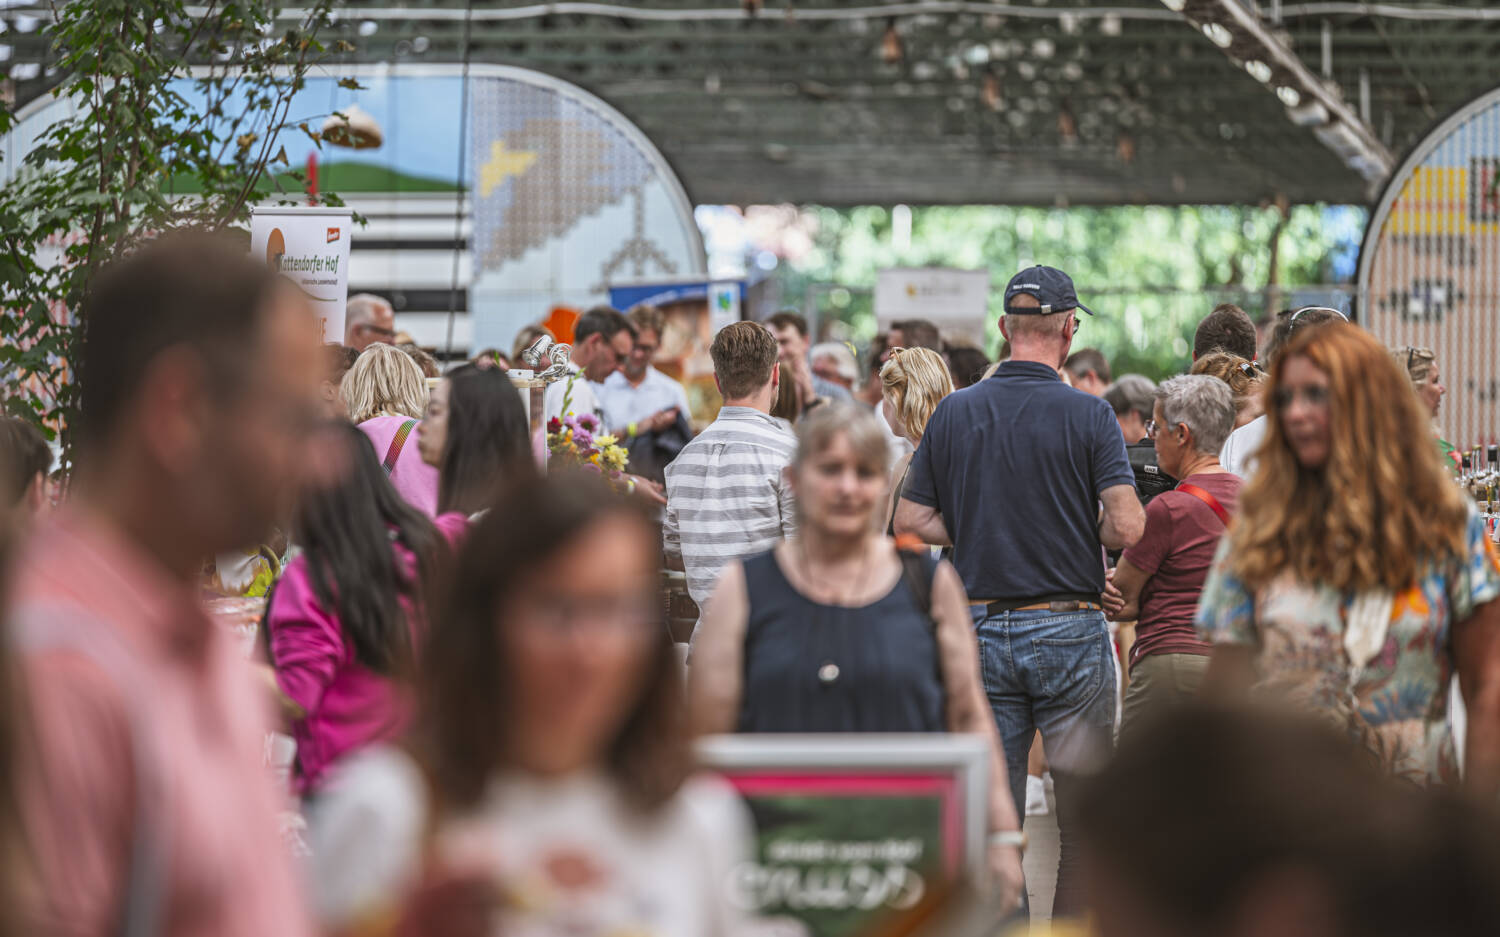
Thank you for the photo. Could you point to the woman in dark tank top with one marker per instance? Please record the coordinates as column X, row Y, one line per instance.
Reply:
column 834, row 631
column 816, row 667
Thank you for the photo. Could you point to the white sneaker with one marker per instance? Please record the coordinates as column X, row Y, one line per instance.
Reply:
column 1036, row 797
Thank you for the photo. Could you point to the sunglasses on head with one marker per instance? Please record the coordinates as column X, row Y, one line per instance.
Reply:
column 1336, row 312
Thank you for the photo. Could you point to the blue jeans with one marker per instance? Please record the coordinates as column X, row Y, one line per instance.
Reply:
column 1055, row 673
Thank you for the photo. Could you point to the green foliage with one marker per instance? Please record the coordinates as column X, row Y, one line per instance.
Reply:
column 96, row 182
column 1150, row 272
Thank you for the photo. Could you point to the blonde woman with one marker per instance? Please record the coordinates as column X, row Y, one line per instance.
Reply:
column 1420, row 365
column 385, row 394
column 912, row 382
column 1245, row 379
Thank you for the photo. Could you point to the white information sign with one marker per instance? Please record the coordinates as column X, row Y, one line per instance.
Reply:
column 956, row 301
column 723, row 305
column 310, row 247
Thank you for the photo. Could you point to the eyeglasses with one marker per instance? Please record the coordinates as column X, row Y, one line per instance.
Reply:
column 1249, row 368
column 557, row 617
column 378, row 330
column 1150, row 429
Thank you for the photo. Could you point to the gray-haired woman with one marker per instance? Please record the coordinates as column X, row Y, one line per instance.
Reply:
column 834, row 632
column 1157, row 581
column 1131, row 397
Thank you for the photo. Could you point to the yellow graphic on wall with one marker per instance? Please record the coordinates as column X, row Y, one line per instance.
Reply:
column 502, row 165
column 1447, row 200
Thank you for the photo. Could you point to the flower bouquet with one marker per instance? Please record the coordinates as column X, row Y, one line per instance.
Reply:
column 576, row 442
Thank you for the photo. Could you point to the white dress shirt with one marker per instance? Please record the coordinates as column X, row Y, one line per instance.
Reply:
column 625, row 403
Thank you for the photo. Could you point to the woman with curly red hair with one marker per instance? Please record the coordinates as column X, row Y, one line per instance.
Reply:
column 1357, row 578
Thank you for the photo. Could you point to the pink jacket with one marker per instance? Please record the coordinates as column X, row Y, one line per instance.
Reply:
column 347, row 705
column 416, row 481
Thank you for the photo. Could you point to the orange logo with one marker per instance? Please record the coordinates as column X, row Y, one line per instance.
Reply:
column 275, row 248
column 333, row 235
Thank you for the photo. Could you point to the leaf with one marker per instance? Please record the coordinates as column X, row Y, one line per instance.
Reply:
column 351, row 83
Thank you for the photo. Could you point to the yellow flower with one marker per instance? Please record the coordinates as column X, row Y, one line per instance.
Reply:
column 605, row 441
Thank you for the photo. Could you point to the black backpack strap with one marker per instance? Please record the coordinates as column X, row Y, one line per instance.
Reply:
column 917, row 568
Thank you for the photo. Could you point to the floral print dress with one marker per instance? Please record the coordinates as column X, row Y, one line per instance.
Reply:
column 1397, row 704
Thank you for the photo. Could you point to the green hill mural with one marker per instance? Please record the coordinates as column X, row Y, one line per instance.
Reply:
column 346, row 178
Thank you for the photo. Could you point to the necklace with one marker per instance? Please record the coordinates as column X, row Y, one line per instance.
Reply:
column 828, row 671
column 844, row 599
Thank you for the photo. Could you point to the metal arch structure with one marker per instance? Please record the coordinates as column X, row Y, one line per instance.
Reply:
column 956, row 101
column 1429, row 264
column 446, row 258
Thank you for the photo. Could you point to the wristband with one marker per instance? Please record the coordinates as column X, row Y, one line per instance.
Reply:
column 632, row 429
column 1015, row 838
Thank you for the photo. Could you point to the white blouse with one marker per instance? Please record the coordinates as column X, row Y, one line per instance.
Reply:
column 570, row 855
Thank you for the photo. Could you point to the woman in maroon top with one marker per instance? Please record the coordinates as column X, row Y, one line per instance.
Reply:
column 1158, row 580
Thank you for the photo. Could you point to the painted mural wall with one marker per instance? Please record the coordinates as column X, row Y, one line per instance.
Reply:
column 1429, row 269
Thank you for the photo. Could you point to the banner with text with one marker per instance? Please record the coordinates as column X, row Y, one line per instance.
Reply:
column 310, row 248
column 956, row 301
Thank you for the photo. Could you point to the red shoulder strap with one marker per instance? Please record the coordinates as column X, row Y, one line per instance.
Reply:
column 1206, row 498
column 397, row 441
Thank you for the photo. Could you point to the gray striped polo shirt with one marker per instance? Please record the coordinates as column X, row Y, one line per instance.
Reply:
column 726, row 499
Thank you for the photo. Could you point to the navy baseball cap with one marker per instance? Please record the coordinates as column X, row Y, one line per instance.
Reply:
column 1049, row 286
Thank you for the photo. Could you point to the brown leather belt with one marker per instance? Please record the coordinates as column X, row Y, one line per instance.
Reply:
column 1055, row 607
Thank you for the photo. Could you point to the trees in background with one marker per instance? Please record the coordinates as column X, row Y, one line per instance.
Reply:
column 1150, row 272
column 165, row 96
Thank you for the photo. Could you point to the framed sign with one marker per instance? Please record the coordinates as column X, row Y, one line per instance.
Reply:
column 854, row 828
column 310, row 248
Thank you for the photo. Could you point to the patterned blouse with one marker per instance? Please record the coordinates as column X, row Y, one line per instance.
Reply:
column 1397, row 704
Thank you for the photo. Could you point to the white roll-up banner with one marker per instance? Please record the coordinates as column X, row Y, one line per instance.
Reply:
column 310, row 248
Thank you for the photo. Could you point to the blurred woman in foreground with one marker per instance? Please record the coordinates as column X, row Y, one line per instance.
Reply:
column 1357, row 577
column 550, row 759
column 838, row 632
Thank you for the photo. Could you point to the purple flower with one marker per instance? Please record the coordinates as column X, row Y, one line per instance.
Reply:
column 589, row 422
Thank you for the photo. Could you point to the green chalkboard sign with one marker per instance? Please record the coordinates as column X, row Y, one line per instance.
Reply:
column 853, row 828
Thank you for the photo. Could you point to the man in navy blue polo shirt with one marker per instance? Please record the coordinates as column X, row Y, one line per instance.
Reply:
column 1012, row 472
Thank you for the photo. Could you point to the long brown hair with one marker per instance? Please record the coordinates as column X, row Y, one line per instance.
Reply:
column 1380, row 506
column 462, row 736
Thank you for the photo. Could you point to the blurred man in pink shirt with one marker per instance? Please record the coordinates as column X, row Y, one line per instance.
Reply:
column 143, row 798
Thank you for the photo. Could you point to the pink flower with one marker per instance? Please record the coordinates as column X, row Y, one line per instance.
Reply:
column 589, row 422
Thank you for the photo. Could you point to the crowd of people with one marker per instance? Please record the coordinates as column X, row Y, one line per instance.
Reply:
column 1223, row 614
